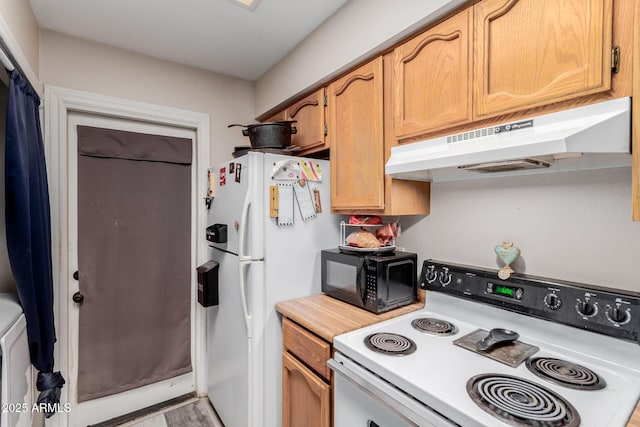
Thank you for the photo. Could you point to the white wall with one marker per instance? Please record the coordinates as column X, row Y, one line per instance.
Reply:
column 93, row 67
column 358, row 30
column 572, row 226
column 22, row 27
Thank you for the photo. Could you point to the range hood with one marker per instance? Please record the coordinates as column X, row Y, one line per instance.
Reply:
column 591, row 137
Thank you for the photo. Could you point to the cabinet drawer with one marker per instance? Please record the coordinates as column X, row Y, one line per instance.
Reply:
column 311, row 349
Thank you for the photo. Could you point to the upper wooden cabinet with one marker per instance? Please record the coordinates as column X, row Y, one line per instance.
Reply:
column 432, row 78
column 534, row 52
column 309, row 114
column 356, row 138
column 278, row 117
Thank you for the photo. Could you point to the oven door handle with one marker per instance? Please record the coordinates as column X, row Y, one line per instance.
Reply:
column 399, row 402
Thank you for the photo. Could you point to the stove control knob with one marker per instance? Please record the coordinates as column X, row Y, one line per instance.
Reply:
column 617, row 315
column 431, row 274
column 445, row 276
column 553, row 301
column 586, row 309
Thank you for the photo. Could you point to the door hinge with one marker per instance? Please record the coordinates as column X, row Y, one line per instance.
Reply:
column 325, row 100
column 615, row 59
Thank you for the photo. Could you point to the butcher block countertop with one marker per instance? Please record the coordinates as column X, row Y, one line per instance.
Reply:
column 328, row 317
column 635, row 418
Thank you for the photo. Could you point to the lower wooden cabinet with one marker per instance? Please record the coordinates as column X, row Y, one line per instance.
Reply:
column 306, row 397
column 306, row 379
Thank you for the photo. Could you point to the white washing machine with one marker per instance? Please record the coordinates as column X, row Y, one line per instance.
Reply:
column 16, row 376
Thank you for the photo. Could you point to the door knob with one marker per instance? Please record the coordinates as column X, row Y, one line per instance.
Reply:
column 77, row 297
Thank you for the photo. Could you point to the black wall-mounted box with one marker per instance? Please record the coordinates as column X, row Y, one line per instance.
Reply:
column 217, row 233
column 208, row 284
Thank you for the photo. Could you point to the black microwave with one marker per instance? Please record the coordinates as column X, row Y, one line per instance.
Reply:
column 377, row 282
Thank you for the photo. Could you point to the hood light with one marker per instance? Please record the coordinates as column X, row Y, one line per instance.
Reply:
column 247, row 4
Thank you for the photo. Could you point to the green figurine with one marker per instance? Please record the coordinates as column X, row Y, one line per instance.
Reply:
column 507, row 253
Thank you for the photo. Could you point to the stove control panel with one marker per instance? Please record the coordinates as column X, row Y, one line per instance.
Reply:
column 598, row 309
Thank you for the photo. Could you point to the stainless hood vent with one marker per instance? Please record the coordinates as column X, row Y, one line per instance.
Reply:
column 591, row 137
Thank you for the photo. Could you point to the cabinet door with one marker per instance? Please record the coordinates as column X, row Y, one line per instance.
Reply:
column 356, row 137
column 309, row 113
column 278, row 117
column 535, row 52
column 432, row 78
column 306, row 399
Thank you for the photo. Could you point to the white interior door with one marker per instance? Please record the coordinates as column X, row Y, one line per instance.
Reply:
column 104, row 408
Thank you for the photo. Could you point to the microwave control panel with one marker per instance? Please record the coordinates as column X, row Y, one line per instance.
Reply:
column 370, row 295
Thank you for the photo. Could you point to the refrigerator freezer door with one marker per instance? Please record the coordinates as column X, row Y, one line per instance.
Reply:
column 292, row 252
column 238, row 204
column 234, row 359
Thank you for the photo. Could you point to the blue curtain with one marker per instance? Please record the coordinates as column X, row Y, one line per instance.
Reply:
column 28, row 225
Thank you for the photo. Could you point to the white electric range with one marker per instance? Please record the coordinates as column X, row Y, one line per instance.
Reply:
column 574, row 362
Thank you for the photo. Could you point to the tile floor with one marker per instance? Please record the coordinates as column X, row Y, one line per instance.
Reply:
column 196, row 413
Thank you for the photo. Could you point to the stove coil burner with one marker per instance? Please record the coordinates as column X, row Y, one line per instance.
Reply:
column 434, row 326
column 520, row 402
column 565, row 373
column 392, row 344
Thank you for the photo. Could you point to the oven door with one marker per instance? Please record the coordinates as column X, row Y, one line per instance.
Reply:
column 362, row 399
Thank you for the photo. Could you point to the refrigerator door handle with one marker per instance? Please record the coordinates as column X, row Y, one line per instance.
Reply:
column 243, row 298
column 243, row 227
column 247, row 323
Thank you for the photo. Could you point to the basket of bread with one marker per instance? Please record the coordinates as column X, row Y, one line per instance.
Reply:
column 368, row 234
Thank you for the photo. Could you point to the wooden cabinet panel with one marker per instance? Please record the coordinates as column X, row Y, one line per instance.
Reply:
column 311, row 349
column 279, row 116
column 432, row 78
column 355, row 132
column 634, row 421
column 309, row 113
column 306, row 399
column 534, row 52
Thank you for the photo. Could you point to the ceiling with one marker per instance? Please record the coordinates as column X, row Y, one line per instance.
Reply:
column 215, row 35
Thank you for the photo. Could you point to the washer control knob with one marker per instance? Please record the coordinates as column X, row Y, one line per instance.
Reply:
column 586, row 309
column 445, row 276
column 618, row 315
column 552, row 301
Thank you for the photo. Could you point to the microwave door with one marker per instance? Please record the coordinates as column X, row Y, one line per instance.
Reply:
column 400, row 279
column 344, row 277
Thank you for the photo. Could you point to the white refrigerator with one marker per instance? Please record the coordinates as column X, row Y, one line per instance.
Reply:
column 265, row 260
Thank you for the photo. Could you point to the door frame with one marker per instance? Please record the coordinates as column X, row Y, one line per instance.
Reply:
column 59, row 102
